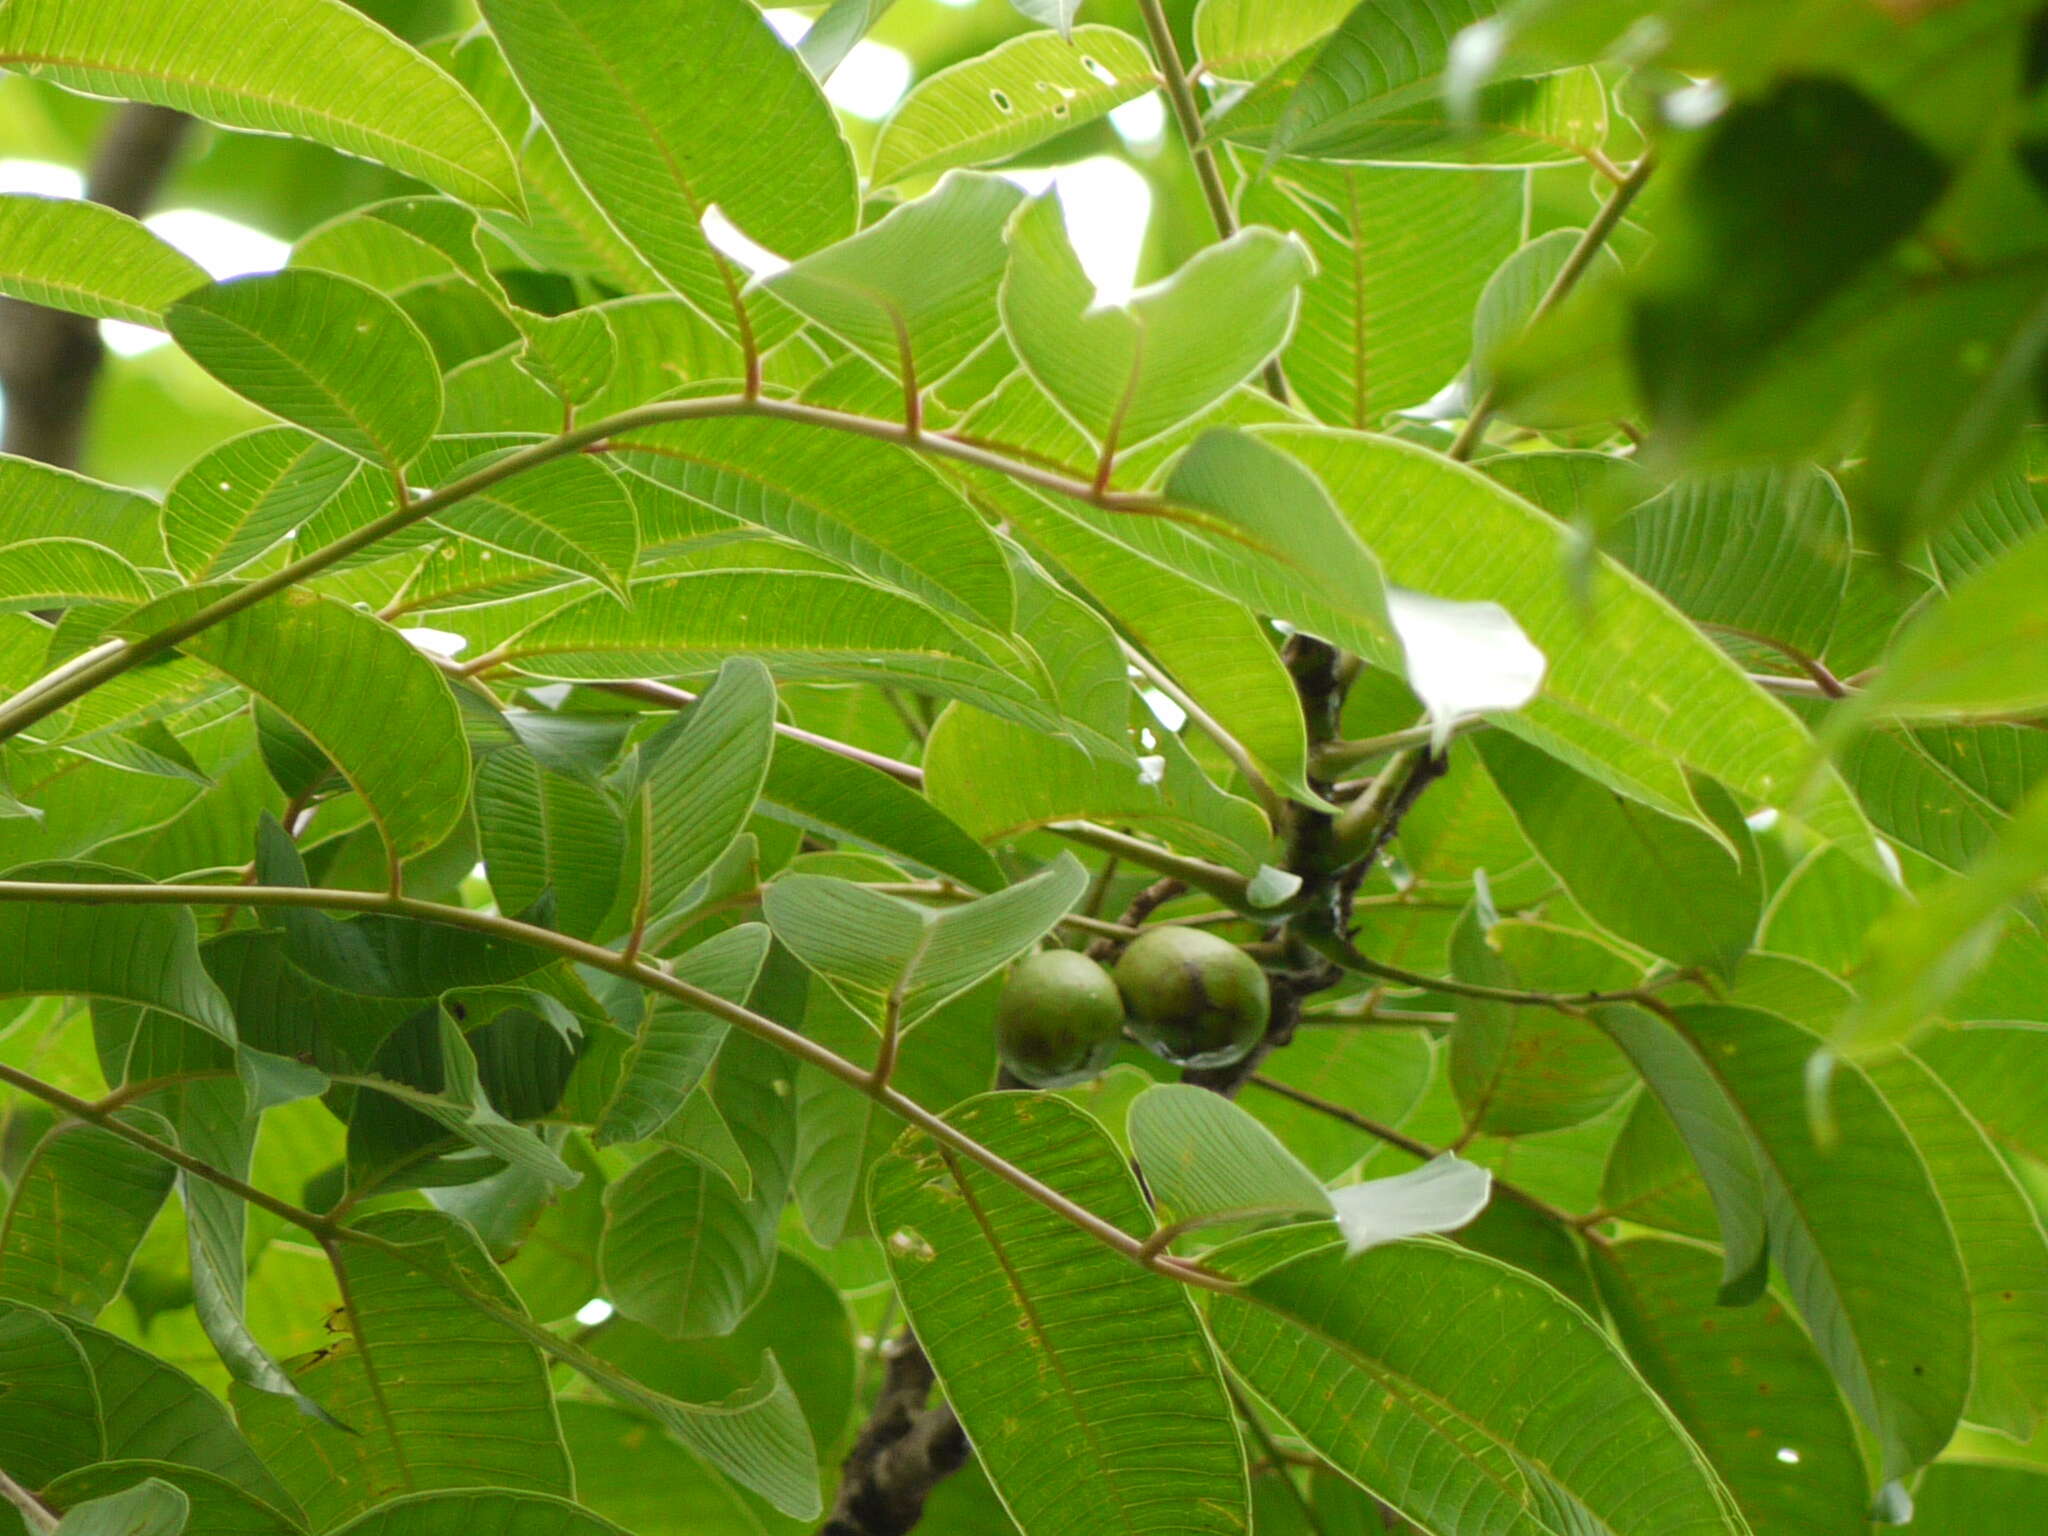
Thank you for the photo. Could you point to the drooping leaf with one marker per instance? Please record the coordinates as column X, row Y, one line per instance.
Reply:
column 676, row 1045
column 546, row 831
column 79, row 256
column 701, row 777
column 1094, row 1417
column 1345, row 1351
column 38, row 501
column 215, row 1504
column 1202, row 1156
column 1126, row 373
column 628, row 92
column 1018, row 94
column 683, row 1252
column 1957, row 1497
column 833, row 35
column 1647, row 877
column 323, row 352
column 294, row 67
column 150, row 1508
column 52, row 1423
column 1243, row 39
column 488, row 1512
column 884, row 953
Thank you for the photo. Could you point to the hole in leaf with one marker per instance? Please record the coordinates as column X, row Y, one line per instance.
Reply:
column 1002, row 101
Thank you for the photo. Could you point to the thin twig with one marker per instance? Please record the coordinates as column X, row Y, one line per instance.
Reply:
column 583, row 953
column 1575, row 264
column 34, row 1513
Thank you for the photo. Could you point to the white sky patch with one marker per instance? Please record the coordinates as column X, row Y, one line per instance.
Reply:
column 593, row 1312
column 1165, row 710
column 40, row 177
column 1763, row 820
column 1463, row 658
column 1142, row 121
column 789, row 25
column 730, row 240
column 224, row 247
column 870, row 80
column 1108, row 206
column 1788, row 1456
column 435, row 642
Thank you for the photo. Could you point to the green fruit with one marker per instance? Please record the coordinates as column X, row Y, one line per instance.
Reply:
column 1193, row 998
column 1059, row 1019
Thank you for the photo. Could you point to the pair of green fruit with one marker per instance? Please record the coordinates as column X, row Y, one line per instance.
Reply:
column 1188, row 995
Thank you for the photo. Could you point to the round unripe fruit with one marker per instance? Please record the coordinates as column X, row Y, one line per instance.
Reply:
column 1193, row 998
column 1059, row 1019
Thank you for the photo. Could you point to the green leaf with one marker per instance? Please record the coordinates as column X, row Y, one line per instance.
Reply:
column 913, row 293
column 1960, row 1497
column 1518, row 1071
column 151, row 1508
column 1268, row 500
column 434, row 1393
column 63, row 573
column 1401, row 259
column 1732, row 280
column 41, row 502
column 479, row 1512
column 882, row 953
column 662, row 117
column 1780, row 543
column 142, row 954
column 1381, row 58
column 1000, row 780
column 1092, row 1399
column 1921, row 951
column 155, row 1415
column 870, row 506
column 81, row 1206
column 833, row 35
column 1202, row 1156
column 1976, row 655
column 324, row 352
column 294, row 66
column 1858, row 1231
column 52, row 1423
column 701, row 777
column 805, row 624
column 240, row 498
column 543, row 832
column 676, row 1044
column 1548, row 1428
column 1017, row 95
column 824, row 792
column 1051, row 13
column 683, row 1252
column 341, row 677
column 1126, row 373
column 79, row 256
column 1243, row 39
column 462, row 1108
column 1744, row 1381
column 218, row 1506
column 1999, row 1234
column 1647, row 877
column 571, row 513
column 1439, row 528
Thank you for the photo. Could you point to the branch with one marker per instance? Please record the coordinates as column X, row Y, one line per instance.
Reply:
column 50, row 359
column 49, row 695
column 904, row 1451
column 1575, row 264
column 34, row 1513
column 638, row 972
column 1346, row 954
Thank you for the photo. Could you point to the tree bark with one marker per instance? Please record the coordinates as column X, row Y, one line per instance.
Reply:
column 50, row 360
